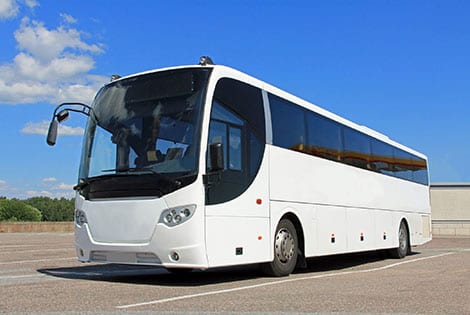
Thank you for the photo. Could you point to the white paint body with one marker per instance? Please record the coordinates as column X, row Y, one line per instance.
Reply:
column 328, row 198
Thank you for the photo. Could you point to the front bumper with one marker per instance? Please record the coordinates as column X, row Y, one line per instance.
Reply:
column 167, row 247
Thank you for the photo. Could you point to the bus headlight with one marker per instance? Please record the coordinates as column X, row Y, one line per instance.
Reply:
column 80, row 217
column 175, row 216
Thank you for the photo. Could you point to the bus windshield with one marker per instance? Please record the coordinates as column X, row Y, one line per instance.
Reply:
column 144, row 137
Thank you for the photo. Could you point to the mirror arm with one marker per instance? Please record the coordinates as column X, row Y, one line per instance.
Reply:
column 53, row 127
column 86, row 110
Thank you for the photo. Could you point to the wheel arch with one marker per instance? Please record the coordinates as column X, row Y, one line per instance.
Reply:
column 301, row 260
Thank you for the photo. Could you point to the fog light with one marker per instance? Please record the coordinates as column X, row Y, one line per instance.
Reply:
column 174, row 256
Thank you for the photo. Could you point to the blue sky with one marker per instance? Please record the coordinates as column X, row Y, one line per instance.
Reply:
column 400, row 67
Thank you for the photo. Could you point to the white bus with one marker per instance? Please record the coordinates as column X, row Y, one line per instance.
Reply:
column 203, row 166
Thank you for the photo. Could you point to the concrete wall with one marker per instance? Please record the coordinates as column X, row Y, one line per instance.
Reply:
column 450, row 206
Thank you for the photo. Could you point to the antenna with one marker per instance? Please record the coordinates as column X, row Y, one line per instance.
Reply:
column 205, row 60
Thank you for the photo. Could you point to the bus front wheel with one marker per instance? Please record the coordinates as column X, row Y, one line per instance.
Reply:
column 403, row 242
column 285, row 250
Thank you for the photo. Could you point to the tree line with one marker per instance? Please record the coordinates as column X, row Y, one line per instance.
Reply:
column 36, row 209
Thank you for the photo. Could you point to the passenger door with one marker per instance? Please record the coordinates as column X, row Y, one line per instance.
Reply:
column 237, row 200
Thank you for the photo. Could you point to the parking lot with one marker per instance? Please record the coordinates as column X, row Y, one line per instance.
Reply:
column 39, row 273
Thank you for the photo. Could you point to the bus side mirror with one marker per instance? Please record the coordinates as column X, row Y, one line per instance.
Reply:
column 216, row 154
column 52, row 132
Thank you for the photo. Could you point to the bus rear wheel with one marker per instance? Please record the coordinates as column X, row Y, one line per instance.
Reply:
column 285, row 250
column 403, row 242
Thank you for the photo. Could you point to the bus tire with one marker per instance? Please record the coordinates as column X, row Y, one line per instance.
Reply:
column 403, row 242
column 285, row 250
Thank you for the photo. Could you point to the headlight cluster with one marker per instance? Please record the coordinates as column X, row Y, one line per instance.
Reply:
column 175, row 216
column 80, row 217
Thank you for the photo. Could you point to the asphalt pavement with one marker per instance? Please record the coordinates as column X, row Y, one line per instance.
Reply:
column 39, row 274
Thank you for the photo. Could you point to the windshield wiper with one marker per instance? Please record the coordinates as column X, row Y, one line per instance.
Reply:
column 145, row 170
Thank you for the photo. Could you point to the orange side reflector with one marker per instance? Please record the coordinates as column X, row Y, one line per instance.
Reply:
column 260, row 238
column 259, row 201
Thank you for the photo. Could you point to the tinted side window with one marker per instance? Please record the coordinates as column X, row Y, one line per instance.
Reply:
column 323, row 137
column 288, row 124
column 382, row 159
column 299, row 129
column 238, row 123
column 410, row 167
column 245, row 100
column 420, row 170
column 225, row 128
column 403, row 164
column 356, row 148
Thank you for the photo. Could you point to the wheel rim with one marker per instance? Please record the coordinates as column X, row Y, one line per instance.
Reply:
column 285, row 246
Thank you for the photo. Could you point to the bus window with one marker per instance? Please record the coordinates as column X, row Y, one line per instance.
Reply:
column 235, row 149
column 323, row 137
column 288, row 124
column 356, row 148
column 382, row 160
column 420, row 173
column 403, row 165
column 226, row 128
column 237, row 122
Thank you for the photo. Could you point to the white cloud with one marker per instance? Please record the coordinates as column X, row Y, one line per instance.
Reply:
column 8, row 9
column 49, row 179
column 63, row 186
column 52, row 65
column 42, row 193
column 70, row 131
column 42, row 127
column 31, row 193
column 46, row 187
column 36, row 128
column 68, row 18
column 7, row 191
column 23, row 91
column 48, row 44
column 58, row 69
column 31, row 3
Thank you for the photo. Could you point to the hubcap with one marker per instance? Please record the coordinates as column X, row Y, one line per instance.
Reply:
column 285, row 246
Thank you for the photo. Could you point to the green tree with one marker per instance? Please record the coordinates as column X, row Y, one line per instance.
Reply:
column 17, row 210
column 53, row 209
